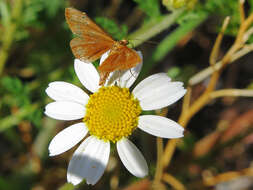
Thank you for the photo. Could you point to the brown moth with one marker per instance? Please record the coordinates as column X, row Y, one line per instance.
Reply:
column 92, row 42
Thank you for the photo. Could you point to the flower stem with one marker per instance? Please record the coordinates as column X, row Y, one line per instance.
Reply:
column 159, row 168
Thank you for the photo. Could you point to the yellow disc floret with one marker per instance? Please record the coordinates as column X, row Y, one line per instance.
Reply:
column 112, row 113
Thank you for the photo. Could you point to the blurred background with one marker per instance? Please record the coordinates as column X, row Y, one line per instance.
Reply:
column 34, row 51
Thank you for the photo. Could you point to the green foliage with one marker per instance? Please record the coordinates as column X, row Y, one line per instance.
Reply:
column 188, row 143
column 182, row 73
column 150, row 7
column 18, row 91
column 176, row 4
column 251, row 5
column 17, row 94
column 174, row 72
column 33, row 12
column 112, row 28
column 220, row 9
column 67, row 186
column 35, row 117
column 189, row 16
column 223, row 9
column 52, row 7
column 12, row 183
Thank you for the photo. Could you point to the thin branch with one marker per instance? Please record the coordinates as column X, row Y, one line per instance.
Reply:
column 216, row 47
column 168, row 152
column 187, row 100
column 206, row 96
column 238, row 42
column 231, row 92
column 202, row 75
column 247, row 35
column 211, row 181
column 159, row 168
column 241, row 10
column 177, row 185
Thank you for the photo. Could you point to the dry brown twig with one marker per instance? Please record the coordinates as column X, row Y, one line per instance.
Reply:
column 202, row 75
column 237, row 50
column 232, row 92
column 177, row 185
column 227, row 176
column 216, row 47
column 159, row 145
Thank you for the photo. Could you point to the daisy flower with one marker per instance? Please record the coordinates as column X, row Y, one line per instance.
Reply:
column 109, row 115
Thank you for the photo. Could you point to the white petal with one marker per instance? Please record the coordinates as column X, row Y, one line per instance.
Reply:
column 87, row 75
column 89, row 161
column 63, row 91
column 132, row 158
column 157, row 91
column 103, row 57
column 160, row 126
column 129, row 76
column 123, row 78
column 64, row 110
column 67, row 138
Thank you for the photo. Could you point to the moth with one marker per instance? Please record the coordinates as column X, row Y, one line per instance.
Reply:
column 91, row 42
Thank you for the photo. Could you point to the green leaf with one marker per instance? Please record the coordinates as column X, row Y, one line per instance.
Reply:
column 67, row 186
column 7, row 183
column 112, row 28
column 35, row 117
column 220, row 9
column 251, row 5
column 183, row 73
column 21, row 35
column 31, row 12
column 174, row 72
column 53, row 6
column 13, row 85
column 187, row 143
column 19, row 92
column 150, row 7
column 13, row 120
column 223, row 9
column 191, row 16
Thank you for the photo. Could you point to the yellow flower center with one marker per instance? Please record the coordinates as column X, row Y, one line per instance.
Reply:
column 112, row 113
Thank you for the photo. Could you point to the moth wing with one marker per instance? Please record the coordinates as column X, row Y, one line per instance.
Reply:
column 81, row 25
column 89, row 50
column 103, row 76
column 92, row 41
column 121, row 58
